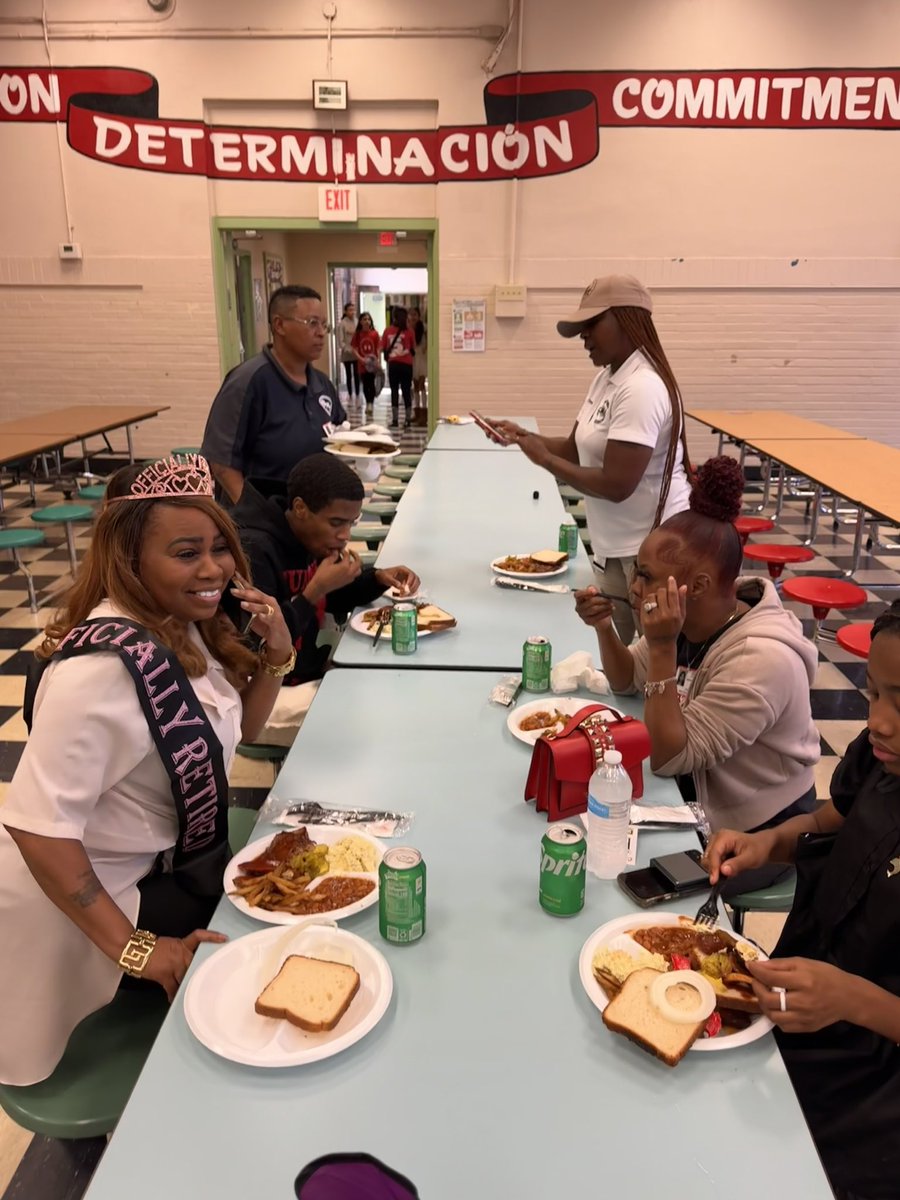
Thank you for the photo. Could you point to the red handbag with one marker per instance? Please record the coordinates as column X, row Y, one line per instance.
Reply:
column 562, row 765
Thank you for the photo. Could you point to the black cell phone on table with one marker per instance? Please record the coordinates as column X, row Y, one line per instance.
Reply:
column 667, row 878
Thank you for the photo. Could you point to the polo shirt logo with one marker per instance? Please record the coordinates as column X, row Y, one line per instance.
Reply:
column 894, row 868
column 325, row 402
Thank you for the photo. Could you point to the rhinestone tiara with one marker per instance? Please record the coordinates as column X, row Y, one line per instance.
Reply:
column 171, row 478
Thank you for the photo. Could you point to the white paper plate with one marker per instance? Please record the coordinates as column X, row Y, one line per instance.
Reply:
column 526, row 575
column 458, row 421
column 357, row 623
column 325, row 835
column 568, row 704
column 348, row 452
column 219, row 1000
column 614, row 933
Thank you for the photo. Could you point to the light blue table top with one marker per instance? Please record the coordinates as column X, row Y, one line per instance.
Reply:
column 459, row 513
column 470, row 437
column 491, row 1074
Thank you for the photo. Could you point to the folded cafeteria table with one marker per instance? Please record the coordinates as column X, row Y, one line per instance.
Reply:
column 491, row 1074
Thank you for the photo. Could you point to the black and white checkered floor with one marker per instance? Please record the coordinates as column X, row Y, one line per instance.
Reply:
column 37, row 1168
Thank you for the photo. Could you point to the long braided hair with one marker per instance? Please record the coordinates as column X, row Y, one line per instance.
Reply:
column 637, row 325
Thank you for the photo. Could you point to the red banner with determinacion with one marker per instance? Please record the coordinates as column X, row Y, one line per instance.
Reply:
column 537, row 123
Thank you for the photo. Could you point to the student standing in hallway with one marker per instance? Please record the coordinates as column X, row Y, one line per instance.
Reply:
column 346, row 331
column 398, row 346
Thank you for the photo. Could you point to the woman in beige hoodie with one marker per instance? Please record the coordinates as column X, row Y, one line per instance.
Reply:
column 724, row 668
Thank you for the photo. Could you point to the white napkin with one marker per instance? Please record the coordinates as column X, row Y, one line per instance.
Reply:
column 663, row 813
column 577, row 671
column 377, row 431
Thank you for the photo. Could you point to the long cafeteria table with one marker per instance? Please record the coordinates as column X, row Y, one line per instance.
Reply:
column 459, row 513
column 864, row 473
column 470, row 437
column 76, row 422
column 491, row 1073
column 749, row 426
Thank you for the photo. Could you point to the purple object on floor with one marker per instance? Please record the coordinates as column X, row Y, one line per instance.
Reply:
column 352, row 1177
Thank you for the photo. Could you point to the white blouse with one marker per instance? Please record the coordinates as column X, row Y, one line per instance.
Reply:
column 90, row 772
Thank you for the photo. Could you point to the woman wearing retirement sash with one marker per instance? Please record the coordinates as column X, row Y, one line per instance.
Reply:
column 114, row 829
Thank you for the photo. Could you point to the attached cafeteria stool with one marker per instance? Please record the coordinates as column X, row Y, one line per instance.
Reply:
column 407, row 460
column 263, row 752
column 777, row 558
column 779, row 897
column 404, row 474
column 13, row 540
column 384, row 510
column 747, row 526
column 95, row 491
column 180, row 451
column 393, row 491
column 856, row 638
column 66, row 515
column 367, row 557
column 370, row 533
column 88, row 1090
column 823, row 594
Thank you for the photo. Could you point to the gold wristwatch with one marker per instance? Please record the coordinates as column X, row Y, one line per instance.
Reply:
column 276, row 672
column 138, row 949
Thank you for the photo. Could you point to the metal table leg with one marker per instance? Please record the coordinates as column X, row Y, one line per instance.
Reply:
column 764, row 504
column 779, row 498
column 857, row 541
column 814, row 522
column 70, row 542
column 721, row 444
column 130, row 444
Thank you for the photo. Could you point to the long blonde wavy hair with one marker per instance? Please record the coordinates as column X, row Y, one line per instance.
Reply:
column 111, row 570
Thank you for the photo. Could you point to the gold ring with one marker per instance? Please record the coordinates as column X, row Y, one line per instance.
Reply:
column 270, row 611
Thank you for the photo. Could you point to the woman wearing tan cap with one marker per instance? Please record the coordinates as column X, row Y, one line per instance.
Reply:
column 627, row 451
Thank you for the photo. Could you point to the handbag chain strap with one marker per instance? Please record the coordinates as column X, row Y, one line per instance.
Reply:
column 598, row 735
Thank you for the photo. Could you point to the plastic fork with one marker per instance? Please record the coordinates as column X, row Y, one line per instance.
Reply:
column 708, row 913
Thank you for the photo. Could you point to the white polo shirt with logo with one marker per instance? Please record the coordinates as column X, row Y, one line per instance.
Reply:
column 631, row 405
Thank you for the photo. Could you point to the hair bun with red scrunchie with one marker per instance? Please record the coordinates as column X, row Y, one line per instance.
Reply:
column 718, row 490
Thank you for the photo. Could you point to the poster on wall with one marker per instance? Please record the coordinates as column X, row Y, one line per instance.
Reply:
column 259, row 303
column 273, row 265
column 468, row 318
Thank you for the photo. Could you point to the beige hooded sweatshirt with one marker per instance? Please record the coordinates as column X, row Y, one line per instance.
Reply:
column 751, row 741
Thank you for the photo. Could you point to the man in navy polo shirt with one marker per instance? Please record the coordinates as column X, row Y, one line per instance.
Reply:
column 275, row 408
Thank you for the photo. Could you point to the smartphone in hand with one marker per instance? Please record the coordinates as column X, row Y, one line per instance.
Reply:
column 487, row 427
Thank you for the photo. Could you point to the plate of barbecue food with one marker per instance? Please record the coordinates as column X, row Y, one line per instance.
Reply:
column 429, row 619
column 543, row 718
column 671, row 986
column 541, row 564
column 316, row 869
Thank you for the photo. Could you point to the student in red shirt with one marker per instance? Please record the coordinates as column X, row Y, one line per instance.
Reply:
column 398, row 345
column 366, row 344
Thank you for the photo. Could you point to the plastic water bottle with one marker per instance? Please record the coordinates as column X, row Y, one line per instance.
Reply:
column 609, row 815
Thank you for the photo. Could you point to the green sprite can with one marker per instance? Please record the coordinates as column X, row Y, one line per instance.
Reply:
column 563, row 858
column 401, row 895
column 568, row 538
column 404, row 629
column 536, row 655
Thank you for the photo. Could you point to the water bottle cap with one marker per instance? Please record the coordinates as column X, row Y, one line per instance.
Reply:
column 612, row 757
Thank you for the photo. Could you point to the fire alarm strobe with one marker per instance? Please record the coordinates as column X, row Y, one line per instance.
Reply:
column 330, row 93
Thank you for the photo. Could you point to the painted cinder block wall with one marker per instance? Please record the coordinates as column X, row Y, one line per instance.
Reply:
column 772, row 253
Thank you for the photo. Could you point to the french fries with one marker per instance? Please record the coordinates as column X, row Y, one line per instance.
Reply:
column 277, row 891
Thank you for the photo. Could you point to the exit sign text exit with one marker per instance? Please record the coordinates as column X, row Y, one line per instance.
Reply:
column 338, row 203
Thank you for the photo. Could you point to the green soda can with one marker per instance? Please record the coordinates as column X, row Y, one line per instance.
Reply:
column 401, row 895
column 568, row 538
column 563, row 858
column 536, row 655
column 404, row 629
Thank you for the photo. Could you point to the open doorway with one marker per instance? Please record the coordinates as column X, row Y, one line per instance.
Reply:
column 344, row 265
column 391, row 297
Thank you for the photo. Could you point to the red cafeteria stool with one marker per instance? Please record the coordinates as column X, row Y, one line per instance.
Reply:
column 776, row 558
column 822, row 595
column 746, row 526
column 856, row 638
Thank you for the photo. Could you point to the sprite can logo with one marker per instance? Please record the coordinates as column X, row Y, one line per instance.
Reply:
column 563, row 867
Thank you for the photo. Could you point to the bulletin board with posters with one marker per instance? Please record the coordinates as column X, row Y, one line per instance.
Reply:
column 468, row 321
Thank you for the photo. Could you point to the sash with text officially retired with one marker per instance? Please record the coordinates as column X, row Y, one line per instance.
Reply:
column 190, row 751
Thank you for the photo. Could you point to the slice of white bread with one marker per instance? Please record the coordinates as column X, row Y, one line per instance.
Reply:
column 432, row 617
column 549, row 558
column 633, row 1013
column 309, row 992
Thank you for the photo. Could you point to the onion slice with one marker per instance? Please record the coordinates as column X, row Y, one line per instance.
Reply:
column 661, row 986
